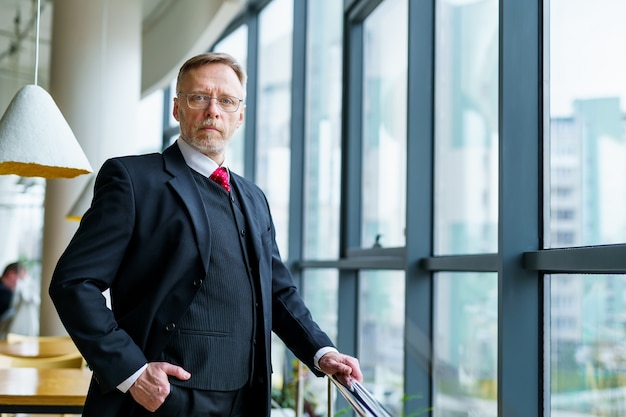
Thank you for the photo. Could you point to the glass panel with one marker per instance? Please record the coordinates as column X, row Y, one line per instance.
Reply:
column 466, row 127
column 170, row 104
column 320, row 291
column 284, row 381
column 587, row 339
column 381, row 336
column 323, row 130
column 587, row 140
column 273, row 112
column 384, row 125
column 150, row 124
column 21, row 222
column 465, row 344
column 172, row 139
column 236, row 44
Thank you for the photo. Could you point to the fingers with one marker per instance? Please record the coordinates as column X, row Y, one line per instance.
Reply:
column 345, row 367
column 353, row 363
column 346, row 380
column 173, row 370
column 152, row 387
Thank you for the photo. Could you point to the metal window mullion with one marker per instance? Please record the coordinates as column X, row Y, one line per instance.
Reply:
column 520, row 354
column 419, row 303
column 249, row 162
column 605, row 259
column 488, row 262
column 297, row 137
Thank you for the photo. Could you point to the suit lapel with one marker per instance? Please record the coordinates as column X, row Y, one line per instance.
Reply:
column 183, row 184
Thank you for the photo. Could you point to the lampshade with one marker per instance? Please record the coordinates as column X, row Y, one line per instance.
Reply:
column 35, row 139
column 83, row 201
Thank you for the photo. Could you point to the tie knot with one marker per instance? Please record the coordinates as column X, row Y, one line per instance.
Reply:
column 220, row 176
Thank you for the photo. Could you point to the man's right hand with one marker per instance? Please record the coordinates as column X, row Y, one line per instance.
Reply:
column 153, row 386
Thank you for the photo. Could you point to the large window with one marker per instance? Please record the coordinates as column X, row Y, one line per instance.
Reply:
column 323, row 111
column 587, row 139
column 517, row 128
column 466, row 127
column 320, row 289
column 466, row 206
column 273, row 112
column 466, row 351
column 587, row 199
column 381, row 330
column 384, row 125
column 587, row 344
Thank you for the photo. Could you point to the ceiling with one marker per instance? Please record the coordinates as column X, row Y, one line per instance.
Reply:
column 18, row 28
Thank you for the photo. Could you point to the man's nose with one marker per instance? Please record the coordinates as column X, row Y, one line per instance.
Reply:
column 213, row 109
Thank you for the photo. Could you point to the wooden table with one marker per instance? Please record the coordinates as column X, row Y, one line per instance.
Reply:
column 37, row 349
column 45, row 391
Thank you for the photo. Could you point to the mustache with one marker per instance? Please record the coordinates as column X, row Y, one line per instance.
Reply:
column 209, row 123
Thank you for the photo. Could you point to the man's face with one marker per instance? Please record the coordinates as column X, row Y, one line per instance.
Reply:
column 209, row 130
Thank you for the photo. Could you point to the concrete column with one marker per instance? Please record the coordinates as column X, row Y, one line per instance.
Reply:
column 95, row 80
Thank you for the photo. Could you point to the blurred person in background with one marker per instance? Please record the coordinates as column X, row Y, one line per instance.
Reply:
column 26, row 305
column 11, row 275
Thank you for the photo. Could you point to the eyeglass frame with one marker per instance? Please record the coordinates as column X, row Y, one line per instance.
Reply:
column 217, row 100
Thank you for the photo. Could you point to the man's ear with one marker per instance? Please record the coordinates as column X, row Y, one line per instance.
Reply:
column 175, row 109
column 241, row 115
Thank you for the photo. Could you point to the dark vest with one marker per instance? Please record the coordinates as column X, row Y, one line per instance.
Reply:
column 214, row 340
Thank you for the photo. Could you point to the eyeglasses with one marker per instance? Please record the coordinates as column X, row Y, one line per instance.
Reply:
column 228, row 104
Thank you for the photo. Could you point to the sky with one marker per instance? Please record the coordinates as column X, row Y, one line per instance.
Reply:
column 587, row 52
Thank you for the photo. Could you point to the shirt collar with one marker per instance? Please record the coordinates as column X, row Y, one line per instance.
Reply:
column 196, row 160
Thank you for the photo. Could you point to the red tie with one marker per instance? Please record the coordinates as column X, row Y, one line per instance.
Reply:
column 220, row 176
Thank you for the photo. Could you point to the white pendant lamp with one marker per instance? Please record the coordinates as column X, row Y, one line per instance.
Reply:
column 35, row 138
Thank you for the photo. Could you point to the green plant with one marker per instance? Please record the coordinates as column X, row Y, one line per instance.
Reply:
column 286, row 395
column 406, row 398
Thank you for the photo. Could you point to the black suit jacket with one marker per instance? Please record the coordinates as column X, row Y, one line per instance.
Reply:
column 146, row 238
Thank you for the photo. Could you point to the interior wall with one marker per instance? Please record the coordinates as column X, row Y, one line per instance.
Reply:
column 184, row 29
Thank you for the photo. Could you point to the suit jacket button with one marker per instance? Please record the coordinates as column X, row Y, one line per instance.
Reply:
column 170, row 327
column 197, row 282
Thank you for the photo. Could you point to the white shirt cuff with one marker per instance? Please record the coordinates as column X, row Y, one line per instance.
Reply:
column 320, row 353
column 125, row 386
